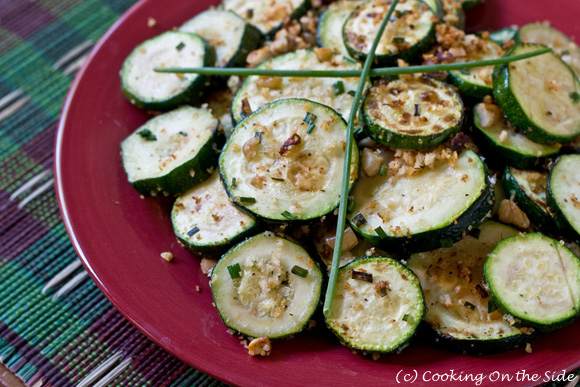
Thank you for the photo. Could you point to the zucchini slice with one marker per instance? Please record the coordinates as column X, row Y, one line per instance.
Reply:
column 329, row 33
column 231, row 37
column 528, row 190
column 436, row 6
column 564, row 194
column 378, row 305
column 284, row 162
column 205, row 220
column 475, row 82
column 507, row 143
column 503, row 35
column 562, row 45
column 536, row 280
column 409, row 34
column 260, row 91
column 266, row 286
column 539, row 95
column 458, row 303
column 150, row 90
column 425, row 208
column 172, row 152
column 267, row 16
column 412, row 113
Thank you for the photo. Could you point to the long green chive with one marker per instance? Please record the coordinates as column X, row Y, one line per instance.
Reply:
column 289, row 215
column 235, row 271
column 338, row 87
column 242, row 71
column 309, row 118
column 244, row 199
column 193, row 231
column 299, row 271
column 328, row 300
column 147, row 135
column 380, row 232
column 383, row 170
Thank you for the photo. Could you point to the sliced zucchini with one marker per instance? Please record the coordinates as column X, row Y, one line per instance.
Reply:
column 507, row 143
column 206, row 221
column 267, row 16
column 458, row 304
column 562, row 45
column 329, row 33
column 231, row 37
column 528, row 190
column 564, row 194
column 539, row 95
column 423, row 209
column 436, row 6
column 412, row 113
column 409, row 34
column 172, row 152
column 378, row 305
column 476, row 82
column 536, row 280
column 148, row 89
column 284, row 162
column 266, row 286
column 503, row 35
column 260, row 91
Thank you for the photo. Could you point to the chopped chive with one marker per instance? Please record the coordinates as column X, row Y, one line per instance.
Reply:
column 447, row 242
column 482, row 292
column 575, row 97
column 351, row 92
column 464, row 71
column 289, row 215
column 398, row 40
column 362, row 276
column 380, row 232
column 383, row 170
column 469, row 305
column 259, row 135
column 417, row 110
column 310, row 128
column 351, row 206
column 491, row 307
column 183, row 133
column 235, row 271
column 309, row 118
column 245, row 199
column 277, row 179
column 338, row 87
column 180, row 46
column 147, row 135
column 565, row 52
column 383, row 292
column 405, row 317
column 299, row 271
column 476, row 233
column 192, row 231
column 234, row 184
column 358, row 220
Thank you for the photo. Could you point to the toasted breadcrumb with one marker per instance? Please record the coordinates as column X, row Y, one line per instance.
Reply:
column 167, row 256
column 260, row 346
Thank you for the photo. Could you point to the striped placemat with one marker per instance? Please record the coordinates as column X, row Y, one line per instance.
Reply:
column 56, row 328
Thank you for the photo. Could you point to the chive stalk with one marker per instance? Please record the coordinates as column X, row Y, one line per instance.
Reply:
column 329, row 299
column 299, row 271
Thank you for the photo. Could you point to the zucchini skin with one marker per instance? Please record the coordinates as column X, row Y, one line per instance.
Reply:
column 190, row 95
column 536, row 214
column 511, row 107
column 179, row 179
column 559, row 218
column 432, row 239
column 296, row 14
column 469, row 89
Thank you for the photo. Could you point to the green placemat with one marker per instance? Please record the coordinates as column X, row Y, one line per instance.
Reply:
column 69, row 333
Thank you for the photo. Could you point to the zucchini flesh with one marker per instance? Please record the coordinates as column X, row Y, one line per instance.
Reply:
column 172, row 152
column 329, row 33
column 148, row 89
column 410, row 32
column 412, row 113
column 260, row 90
column 564, row 194
column 456, row 296
column 562, row 45
column 425, row 209
column 231, row 37
column 206, row 221
column 536, row 280
column 299, row 182
column 538, row 95
column 377, row 316
column 503, row 140
column 267, row 299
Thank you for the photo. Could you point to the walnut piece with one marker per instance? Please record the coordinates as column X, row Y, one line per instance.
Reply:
column 510, row 213
column 260, row 346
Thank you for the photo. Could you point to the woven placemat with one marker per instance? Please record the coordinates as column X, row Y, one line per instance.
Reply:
column 68, row 334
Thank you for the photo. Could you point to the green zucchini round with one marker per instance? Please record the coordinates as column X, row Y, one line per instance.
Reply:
column 329, row 32
column 564, row 194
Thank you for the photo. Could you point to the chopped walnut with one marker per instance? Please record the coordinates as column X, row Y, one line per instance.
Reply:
column 206, row 265
column 510, row 213
column 250, row 146
column 489, row 114
column 371, row 162
column 290, row 144
column 151, row 22
column 260, row 346
column 258, row 56
column 464, row 272
column 323, row 54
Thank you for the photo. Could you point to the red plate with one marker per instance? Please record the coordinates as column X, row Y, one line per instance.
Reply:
column 119, row 236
